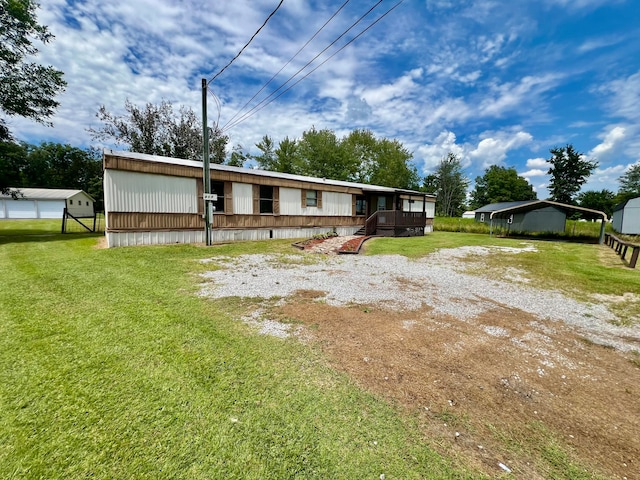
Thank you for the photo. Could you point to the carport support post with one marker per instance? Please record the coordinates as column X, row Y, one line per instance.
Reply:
column 206, row 175
column 491, row 226
column 601, row 241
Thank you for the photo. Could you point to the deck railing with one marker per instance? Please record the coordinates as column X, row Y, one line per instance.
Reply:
column 396, row 223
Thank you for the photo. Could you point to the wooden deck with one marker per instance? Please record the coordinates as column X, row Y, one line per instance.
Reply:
column 395, row 223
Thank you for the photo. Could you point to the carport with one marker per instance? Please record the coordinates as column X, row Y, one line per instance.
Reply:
column 527, row 208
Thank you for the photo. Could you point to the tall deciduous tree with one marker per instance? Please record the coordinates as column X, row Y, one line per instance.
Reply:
column 321, row 155
column 27, row 89
column 500, row 184
column 450, row 185
column 267, row 159
column 238, row 156
column 380, row 161
column 630, row 183
column 287, row 160
column 603, row 200
column 569, row 171
column 157, row 130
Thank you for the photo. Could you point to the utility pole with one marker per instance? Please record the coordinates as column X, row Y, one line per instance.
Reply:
column 206, row 174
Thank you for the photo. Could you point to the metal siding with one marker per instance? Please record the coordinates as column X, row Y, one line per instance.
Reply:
column 242, row 198
column 21, row 209
column 149, row 193
column 290, row 201
column 79, row 208
column 336, row 204
column 50, row 208
column 631, row 218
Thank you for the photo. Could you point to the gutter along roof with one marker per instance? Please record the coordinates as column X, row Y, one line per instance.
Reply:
column 262, row 173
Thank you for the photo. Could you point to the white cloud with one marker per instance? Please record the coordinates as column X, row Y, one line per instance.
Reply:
column 493, row 149
column 612, row 141
column 431, row 154
column 540, row 163
column 534, row 172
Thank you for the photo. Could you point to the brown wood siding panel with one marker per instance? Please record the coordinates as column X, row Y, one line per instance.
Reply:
column 200, row 193
column 279, row 182
column 228, row 198
column 284, row 221
column 144, row 166
column 154, row 221
column 353, row 205
column 256, row 198
column 319, row 198
column 276, row 200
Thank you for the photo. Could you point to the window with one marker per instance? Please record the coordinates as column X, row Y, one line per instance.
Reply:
column 482, row 217
column 87, row 204
column 218, row 189
column 312, row 198
column 266, row 199
column 361, row 206
column 70, row 202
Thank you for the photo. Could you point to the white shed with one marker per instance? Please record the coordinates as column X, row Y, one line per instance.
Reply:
column 626, row 217
column 46, row 203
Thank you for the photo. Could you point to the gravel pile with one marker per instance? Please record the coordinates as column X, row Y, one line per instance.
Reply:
column 396, row 282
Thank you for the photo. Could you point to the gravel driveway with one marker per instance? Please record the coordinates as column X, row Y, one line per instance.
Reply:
column 437, row 280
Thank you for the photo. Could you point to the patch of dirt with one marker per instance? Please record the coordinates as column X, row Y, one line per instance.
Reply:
column 503, row 387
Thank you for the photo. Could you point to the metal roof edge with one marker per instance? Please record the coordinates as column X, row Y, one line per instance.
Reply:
column 551, row 202
column 262, row 173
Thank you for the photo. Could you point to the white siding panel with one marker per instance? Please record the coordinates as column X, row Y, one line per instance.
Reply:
column 50, row 208
column 149, row 193
column 242, row 198
column 3, row 213
column 333, row 204
column 21, row 209
column 336, row 204
column 290, row 202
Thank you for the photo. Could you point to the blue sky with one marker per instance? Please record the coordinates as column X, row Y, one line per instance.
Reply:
column 495, row 82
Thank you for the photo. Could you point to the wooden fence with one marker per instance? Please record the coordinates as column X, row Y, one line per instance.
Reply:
column 621, row 247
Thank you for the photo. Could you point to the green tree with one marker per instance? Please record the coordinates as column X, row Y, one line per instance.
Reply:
column 380, row 161
column 156, row 130
column 321, row 155
column 569, row 171
column 500, row 184
column 450, row 185
column 287, row 159
column 629, row 183
column 267, row 159
column 238, row 157
column 604, row 200
column 27, row 89
column 13, row 158
column 393, row 167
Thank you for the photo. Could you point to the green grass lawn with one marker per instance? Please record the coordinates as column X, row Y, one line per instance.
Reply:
column 112, row 367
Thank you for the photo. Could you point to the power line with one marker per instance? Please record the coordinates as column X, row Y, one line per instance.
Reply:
column 265, row 101
column 262, row 105
column 247, row 44
column 286, row 64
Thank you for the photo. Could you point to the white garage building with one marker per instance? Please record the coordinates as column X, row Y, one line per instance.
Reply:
column 46, row 203
column 626, row 217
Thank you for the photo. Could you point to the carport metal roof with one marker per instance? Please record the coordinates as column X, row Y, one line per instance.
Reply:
column 536, row 204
